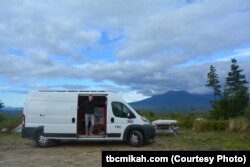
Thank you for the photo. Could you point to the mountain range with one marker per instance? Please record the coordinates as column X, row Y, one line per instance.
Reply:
column 175, row 101
column 12, row 110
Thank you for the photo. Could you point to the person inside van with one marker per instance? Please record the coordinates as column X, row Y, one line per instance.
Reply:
column 89, row 109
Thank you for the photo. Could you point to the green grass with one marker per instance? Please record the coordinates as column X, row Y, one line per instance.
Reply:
column 190, row 140
column 10, row 138
column 10, row 121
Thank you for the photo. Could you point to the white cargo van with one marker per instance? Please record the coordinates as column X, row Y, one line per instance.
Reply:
column 51, row 116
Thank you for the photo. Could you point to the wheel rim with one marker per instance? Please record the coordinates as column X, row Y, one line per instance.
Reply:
column 42, row 140
column 134, row 139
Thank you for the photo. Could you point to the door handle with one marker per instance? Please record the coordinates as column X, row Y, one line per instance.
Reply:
column 73, row 120
column 112, row 120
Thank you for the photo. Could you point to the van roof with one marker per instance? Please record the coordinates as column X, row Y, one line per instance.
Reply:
column 85, row 91
column 69, row 94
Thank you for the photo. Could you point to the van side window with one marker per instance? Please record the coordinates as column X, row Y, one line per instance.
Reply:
column 120, row 110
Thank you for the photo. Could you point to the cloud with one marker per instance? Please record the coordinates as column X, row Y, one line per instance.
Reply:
column 200, row 28
column 153, row 41
column 44, row 27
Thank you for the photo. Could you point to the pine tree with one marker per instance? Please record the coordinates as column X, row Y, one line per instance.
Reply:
column 236, row 91
column 1, row 115
column 1, row 105
column 235, row 80
column 213, row 81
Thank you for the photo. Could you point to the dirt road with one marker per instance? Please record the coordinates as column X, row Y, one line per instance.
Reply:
column 23, row 153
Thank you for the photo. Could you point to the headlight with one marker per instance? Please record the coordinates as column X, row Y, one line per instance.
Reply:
column 145, row 119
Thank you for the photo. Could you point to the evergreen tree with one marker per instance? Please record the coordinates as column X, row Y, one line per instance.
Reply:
column 236, row 91
column 219, row 109
column 235, row 97
column 1, row 115
column 235, row 80
column 1, row 105
column 213, row 81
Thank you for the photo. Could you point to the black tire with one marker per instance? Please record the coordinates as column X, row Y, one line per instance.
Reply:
column 57, row 142
column 135, row 138
column 42, row 141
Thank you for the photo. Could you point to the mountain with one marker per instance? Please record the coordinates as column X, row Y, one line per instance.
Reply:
column 175, row 101
column 12, row 110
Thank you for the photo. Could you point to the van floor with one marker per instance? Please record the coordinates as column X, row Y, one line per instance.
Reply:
column 91, row 136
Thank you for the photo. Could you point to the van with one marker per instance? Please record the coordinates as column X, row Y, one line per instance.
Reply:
column 51, row 116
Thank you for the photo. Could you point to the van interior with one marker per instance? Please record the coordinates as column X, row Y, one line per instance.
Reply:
column 100, row 113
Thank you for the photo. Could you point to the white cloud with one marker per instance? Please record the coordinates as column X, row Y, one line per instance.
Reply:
column 131, row 96
column 152, row 40
column 200, row 28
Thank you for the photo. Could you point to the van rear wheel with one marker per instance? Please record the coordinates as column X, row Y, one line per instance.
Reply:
column 136, row 138
column 42, row 141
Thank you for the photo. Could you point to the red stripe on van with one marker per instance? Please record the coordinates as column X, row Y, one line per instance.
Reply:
column 105, row 118
column 23, row 117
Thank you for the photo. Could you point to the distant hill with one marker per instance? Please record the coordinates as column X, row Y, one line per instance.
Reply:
column 175, row 101
column 12, row 110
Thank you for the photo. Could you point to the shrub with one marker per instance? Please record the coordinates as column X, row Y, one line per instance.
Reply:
column 10, row 122
column 187, row 120
column 151, row 116
column 2, row 117
column 210, row 125
column 240, row 124
column 247, row 111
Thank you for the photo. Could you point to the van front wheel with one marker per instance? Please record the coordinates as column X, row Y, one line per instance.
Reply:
column 135, row 138
column 42, row 141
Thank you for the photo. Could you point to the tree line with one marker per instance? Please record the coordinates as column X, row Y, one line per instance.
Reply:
column 1, row 105
column 233, row 99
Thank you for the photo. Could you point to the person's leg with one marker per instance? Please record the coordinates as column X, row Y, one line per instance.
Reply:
column 92, row 120
column 87, row 116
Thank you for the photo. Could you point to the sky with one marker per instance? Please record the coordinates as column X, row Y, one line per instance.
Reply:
column 135, row 48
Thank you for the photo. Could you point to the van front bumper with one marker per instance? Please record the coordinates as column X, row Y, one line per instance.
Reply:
column 149, row 131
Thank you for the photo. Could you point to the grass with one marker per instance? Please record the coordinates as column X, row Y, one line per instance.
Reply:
column 10, row 121
column 190, row 140
column 10, row 138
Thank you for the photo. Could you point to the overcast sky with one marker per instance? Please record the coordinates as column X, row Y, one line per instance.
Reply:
column 137, row 48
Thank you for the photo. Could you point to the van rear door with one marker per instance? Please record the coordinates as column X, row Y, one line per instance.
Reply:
column 34, row 112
